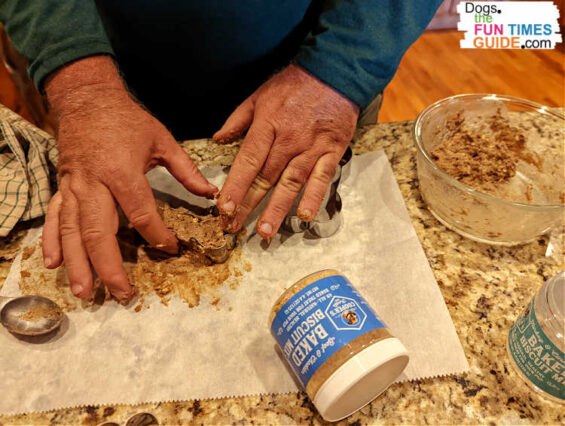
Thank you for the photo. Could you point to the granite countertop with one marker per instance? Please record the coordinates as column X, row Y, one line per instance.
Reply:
column 485, row 288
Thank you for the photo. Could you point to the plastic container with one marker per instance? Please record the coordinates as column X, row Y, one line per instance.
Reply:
column 339, row 349
column 528, row 205
column 536, row 342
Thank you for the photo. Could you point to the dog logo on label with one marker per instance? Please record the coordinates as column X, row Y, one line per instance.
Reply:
column 345, row 313
column 350, row 317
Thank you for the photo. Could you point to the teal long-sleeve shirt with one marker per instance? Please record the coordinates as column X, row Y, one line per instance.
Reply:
column 191, row 62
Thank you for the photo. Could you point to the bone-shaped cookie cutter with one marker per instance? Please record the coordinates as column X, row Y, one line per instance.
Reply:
column 328, row 219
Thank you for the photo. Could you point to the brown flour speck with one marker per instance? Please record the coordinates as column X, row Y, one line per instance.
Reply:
column 50, row 283
column 28, row 252
column 38, row 312
column 529, row 192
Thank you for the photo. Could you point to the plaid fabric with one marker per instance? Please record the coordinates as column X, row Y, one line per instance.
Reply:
column 27, row 155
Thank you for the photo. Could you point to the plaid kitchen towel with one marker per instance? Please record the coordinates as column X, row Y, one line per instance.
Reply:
column 27, row 155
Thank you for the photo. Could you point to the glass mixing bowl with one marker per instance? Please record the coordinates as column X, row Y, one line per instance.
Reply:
column 530, row 204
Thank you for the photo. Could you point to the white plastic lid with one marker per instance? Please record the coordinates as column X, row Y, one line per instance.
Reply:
column 361, row 379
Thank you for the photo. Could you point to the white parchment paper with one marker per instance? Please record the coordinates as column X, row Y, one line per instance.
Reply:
column 112, row 355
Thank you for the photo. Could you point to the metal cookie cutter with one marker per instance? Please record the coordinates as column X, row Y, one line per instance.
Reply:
column 217, row 254
column 328, row 220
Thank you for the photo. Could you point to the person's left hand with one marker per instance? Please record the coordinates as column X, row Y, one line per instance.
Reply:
column 298, row 129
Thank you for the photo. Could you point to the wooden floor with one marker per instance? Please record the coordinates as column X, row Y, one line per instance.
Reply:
column 9, row 96
column 434, row 68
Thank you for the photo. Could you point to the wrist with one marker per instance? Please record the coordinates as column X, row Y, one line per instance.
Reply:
column 296, row 67
column 70, row 86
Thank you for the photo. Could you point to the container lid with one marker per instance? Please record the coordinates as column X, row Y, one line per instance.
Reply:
column 556, row 296
column 361, row 379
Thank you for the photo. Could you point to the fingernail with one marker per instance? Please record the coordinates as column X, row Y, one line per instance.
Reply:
column 214, row 192
column 170, row 250
column 266, row 228
column 77, row 289
column 126, row 296
column 232, row 227
column 47, row 262
column 170, row 245
column 305, row 215
column 228, row 207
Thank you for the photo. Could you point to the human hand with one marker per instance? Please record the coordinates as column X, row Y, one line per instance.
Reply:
column 299, row 128
column 106, row 143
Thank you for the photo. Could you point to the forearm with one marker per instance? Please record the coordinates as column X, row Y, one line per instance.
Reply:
column 70, row 86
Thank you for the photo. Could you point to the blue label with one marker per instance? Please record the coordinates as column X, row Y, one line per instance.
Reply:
column 320, row 319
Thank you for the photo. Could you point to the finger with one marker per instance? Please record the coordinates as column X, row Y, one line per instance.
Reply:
column 246, row 166
column 181, row 166
column 51, row 238
column 287, row 190
column 238, row 122
column 99, row 224
column 134, row 195
column 317, row 186
column 74, row 252
column 268, row 176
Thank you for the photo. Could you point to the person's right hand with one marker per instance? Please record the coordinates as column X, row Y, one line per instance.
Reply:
column 107, row 143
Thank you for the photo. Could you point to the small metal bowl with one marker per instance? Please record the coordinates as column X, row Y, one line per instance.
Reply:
column 508, row 220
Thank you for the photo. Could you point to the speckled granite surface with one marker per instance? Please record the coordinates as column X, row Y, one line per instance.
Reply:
column 485, row 289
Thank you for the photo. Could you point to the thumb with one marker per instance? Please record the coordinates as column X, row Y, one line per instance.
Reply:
column 181, row 166
column 237, row 123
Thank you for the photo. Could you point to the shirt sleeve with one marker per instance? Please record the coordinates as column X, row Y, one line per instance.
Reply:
column 357, row 45
column 52, row 33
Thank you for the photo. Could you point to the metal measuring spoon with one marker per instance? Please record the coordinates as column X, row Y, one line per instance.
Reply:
column 30, row 315
column 142, row 419
column 139, row 419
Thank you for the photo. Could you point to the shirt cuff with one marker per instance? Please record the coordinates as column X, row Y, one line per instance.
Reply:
column 62, row 53
column 337, row 74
